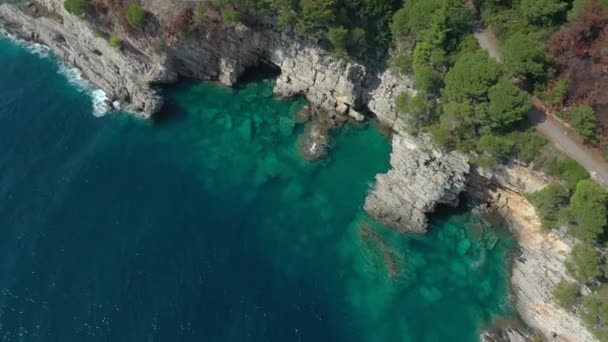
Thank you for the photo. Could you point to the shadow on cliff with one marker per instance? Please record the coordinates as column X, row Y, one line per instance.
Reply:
column 258, row 73
column 174, row 111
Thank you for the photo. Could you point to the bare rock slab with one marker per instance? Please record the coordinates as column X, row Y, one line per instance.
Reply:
column 419, row 180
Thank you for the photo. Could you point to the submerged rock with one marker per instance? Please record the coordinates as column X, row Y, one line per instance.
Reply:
column 304, row 114
column 314, row 141
column 245, row 130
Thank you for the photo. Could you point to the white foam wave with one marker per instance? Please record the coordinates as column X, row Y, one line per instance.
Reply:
column 100, row 102
column 71, row 73
column 37, row 49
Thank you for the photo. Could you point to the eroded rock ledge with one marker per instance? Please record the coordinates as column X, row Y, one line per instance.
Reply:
column 419, row 180
column 219, row 53
column 538, row 265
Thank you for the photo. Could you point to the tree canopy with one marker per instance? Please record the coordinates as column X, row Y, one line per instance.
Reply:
column 566, row 293
column 525, row 57
column 549, row 202
column 471, row 77
column 76, row 7
column 584, row 262
column 543, row 12
column 583, row 120
column 587, row 211
column 594, row 312
column 136, row 16
column 508, row 105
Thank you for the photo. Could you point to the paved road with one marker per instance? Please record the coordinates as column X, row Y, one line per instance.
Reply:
column 555, row 132
column 552, row 129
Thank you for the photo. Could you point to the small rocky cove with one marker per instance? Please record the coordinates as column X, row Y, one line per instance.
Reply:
column 420, row 178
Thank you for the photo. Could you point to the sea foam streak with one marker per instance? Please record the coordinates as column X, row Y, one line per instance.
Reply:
column 74, row 75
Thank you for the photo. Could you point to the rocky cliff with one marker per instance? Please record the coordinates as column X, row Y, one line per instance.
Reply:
column 216, row 52
column 538, row 265
column 419, row 180
column 126, row 75
column 420, row 177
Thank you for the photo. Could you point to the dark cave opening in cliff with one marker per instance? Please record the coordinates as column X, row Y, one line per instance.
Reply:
column 262, row 71
column 171, row 111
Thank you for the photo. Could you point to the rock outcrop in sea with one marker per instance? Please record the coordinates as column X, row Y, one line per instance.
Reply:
column 420, row 177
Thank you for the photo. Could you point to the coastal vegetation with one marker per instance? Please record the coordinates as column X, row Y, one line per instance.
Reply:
column 76, row 7
column 566, row 294
column 465, row 99
column 583, row 212
column 549, row 202
column 136, row 16
column 583, row 120
column 114, row 41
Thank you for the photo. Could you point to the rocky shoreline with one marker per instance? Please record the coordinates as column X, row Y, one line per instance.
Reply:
column 420, row 177
column 538, row 264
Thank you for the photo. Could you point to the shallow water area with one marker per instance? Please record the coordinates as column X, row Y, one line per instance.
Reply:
column 207, row 225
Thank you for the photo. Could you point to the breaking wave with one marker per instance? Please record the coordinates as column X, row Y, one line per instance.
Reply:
column 71, row 73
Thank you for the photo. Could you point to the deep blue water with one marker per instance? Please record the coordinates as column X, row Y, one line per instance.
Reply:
column 208, row 226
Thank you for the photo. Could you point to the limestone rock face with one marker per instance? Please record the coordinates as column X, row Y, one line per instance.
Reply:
column 419, row 179
column 219, row 54
column 308, row 70
column 539, row 263
column 417, row 182
column 382, row 97
column 215, row 53
column 125, row 75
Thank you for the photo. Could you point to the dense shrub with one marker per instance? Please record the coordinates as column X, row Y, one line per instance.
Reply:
column 549, row 202
column 543, row 12
column 587, row 211
column 417, row 111
column 136, row 16
column 594, row 312
column 566, row 294
column 528, row 145
column 556, row 94
column 199, row 14
column 525, row 57
column 565, row 169
column 76, row 7
column 114, row 41
column 497, row 149
column 584, row 263
column 338, row 37
column 583, row 120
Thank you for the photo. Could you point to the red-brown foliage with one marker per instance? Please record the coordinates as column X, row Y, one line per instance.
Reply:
column 115, row 5
column 581, row 36
column 100, row 14
column 580, row 51
column 183, row 21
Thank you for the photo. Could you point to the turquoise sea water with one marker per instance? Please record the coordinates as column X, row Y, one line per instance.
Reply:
column 206, row 225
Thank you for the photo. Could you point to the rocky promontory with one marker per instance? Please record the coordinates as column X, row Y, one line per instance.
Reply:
column 538, row 264
column 419, row 180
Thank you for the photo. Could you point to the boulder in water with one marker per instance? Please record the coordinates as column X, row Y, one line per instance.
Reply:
column 314, row 141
